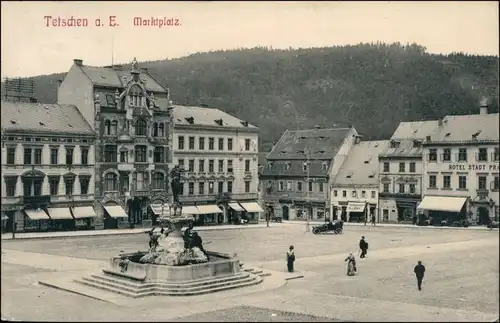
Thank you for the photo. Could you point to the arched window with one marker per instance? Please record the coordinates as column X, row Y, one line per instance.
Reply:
column 155, row 129
column 141, row 128
column 107, row 127
column 114, row 127
column 158, row 181
column 110, row 182
column 161, row 130
column 136, row 96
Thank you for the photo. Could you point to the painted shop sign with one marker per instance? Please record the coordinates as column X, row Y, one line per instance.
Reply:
column 470, row 167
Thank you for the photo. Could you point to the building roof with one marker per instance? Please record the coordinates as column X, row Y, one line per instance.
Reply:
column 361, row 166
column 206, row 117
column 294, row 168
column 113, row 77
column 44, row 118
column 414, row 129
column 320, row 144
column 405, row 148
column 462, row 128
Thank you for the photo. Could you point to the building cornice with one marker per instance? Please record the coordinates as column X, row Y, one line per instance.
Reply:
column 460, row 143
column 399, row 157
column 31, row 133
column 215, row 128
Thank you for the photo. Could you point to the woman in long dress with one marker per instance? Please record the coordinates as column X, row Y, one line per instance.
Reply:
column 290, row 258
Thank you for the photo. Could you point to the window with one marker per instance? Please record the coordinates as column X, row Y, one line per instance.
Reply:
column 230, row 144
column 496, row 183
column 159, row 155
column 281, row 186
column 155, row 129
column 27, row 156
column 54, row 152
column 201, row 165
column 386, row 188
column 191, row 165
column 354, row 194
column 141, row 154
column 110, row 182
column 114, row 127
column 446, row 181
column 299, row 186
column 37, row 156
column 496, row 154
column 483, row 154
column 412, row 167
column 335, row 193
column 446, row 155
column 181, row 163
column 54, row 185
column 10, row 185
column 344, row 193
column 211, row 143
column 201, row 188
column 432, row 181
column 69, row 156
column 180, row 142
column 84, row 157
column 310, row 186
column 69, row 182
column 11, row 155
column 37, row 187
column 401, row 167
column 401, row 188
column 247, row 187
column 27, row 187
column 230, row 187
column 363, row 193
column 124, row 156
column 324, row 166
column 462, row 154
column 432, row 155
column 305, row 166
column 84, row 185
column 321, row 187
column 481, row 182
column 107, row 127
column 220, row 187
column 247, row 166
column 191, row 189
column 191, row 143
column 412, row 188
column 247, row 144
column 289, row 186
column 211, row 188
column 210, row 165
column 110, row 154
column 161, row 130
column 374, row 194
column 221, row 143
column 158, row 181
column 221, row 165
column 201, row 143
column 141, row 128
column 462, row 182
column 141, row 180
column 386, row 167
column 230, row 166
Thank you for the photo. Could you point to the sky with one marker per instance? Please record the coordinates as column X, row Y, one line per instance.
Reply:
column 30, row 47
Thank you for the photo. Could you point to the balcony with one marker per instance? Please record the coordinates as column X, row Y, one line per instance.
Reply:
column 482, row 192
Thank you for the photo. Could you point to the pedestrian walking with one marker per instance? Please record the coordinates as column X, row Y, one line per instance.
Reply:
column 290, row 259
column 363, row 246
column 419, row 272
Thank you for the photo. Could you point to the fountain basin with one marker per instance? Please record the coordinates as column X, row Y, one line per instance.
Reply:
column 219, row 264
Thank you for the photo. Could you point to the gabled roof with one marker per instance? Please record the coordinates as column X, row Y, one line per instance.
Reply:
column 206, row 117
column 405, row 148
column 43, row 118
column 321, row 144
column 414, row 129
column 461, row 128
column 361, row 166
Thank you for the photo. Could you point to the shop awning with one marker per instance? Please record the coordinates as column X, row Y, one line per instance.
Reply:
column 116, row 211
column 208, row 209
column 189, row 210
column 82, row 212
column 252, row 207
column 442, row 203
column 60, row 213
column 159, row 209
column 35, row 215
column 236, row 207
column 356, row 206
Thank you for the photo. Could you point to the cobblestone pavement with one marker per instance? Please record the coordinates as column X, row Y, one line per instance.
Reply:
column 461, row 281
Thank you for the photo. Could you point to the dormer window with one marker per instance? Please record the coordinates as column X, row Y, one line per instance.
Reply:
column 270, row 164
column 305, row 166
column 324, row 166
column 367, row 161
column 349, row 175
column 320, row 151
column 372, row 175
column 321, row 137
column 302, row 138
column 301, row 152
column 287, row 166
column 394, row 144
column 417, row 143
column 110, row 100
column 136, row 96
column 244, row 123
column 190, row 120
column 219, row 122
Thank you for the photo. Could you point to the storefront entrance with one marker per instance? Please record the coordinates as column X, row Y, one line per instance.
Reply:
column 483, row 216
column 286, row 212
column 137, row 210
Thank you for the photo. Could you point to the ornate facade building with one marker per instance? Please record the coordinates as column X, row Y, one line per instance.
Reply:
column 47, row 167
column 130, row 112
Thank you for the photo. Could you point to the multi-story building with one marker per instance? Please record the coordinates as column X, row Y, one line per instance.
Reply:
column 130, row 112
column 461, row 169
column 47, row 167
column 400, row 173
column 297, row 176
column 354, row 191
column 219, row 155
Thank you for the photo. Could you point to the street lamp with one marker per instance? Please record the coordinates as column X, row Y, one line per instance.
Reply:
column 308, row 207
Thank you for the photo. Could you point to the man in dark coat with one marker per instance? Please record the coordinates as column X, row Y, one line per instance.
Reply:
column 290, row 258
column 419, row 272
column 363, row 245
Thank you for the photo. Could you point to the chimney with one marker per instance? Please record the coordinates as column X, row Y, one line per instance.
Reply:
column 357, row 140
column 78, row 62
column 483, row 108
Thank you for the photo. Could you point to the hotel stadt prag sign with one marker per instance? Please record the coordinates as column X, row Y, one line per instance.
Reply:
column 474, row 167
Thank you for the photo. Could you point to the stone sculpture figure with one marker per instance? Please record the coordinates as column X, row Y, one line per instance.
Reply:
column 175, row 183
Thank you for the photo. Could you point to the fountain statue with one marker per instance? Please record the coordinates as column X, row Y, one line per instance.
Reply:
column 172, row 247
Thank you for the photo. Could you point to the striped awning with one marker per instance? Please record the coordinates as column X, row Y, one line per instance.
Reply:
column 82, row 212
column 236, row 207
column 252, row 207
column 116, row 211
column 35, row 215
column 208, row 209
column 60, row 213
column 189, row 210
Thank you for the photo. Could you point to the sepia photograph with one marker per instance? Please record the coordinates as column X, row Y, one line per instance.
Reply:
column 250, row 161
